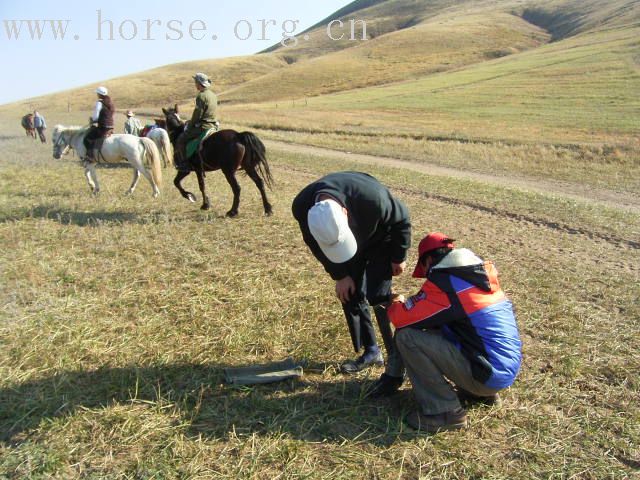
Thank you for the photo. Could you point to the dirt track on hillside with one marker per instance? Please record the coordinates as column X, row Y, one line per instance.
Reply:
column 583, row 193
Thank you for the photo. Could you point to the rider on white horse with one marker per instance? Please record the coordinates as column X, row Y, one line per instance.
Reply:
column 102, row 123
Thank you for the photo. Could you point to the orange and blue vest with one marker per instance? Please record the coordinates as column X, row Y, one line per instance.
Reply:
column 463, row 298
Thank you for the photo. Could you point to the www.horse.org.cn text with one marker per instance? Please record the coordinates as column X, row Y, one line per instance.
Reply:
column 108, row 29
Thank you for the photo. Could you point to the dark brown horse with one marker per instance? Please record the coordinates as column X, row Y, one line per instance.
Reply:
column 28, row 125
column 226, row 150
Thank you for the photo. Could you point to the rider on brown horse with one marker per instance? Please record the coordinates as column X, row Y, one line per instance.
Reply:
column 203, row 118
column 102, row 123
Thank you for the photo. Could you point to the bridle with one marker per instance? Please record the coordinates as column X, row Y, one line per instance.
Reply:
column 58, row 146
column 176, row 127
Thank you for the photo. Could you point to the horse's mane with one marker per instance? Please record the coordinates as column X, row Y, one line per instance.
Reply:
column 60, row 129
column 72, row 129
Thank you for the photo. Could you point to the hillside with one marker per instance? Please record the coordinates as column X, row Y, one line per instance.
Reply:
column 565, row 18
column 160, row 86
column 588, row 82
column 439, row 56
column 440, row 44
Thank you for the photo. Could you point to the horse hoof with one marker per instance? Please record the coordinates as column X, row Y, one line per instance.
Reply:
column 268, row 213
column 232, row 214
column 191, row 197
column 205, row 207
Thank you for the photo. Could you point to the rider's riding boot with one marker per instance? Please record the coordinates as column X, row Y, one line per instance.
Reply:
column 180, row 153
column 89, row 156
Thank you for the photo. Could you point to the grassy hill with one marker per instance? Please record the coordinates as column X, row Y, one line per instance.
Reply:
column 587, row 83
column 408, row 39
column 435, row 77
column 158, row 87
column 564, row 18
column 441, row 44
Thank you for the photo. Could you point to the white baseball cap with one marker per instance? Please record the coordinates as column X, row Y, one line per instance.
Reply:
column 329, row 225
column 102, row 91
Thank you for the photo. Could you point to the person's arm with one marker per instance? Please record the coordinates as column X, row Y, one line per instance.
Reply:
column 198, row 112
column 400, row 230
column 418, row 310
column 96, row 111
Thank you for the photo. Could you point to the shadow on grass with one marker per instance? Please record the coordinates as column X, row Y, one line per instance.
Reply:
column 95, row 218
column 11, row 137
column 68, row 217
column 317, row 412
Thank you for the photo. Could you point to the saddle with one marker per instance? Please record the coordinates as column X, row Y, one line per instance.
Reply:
column 192, row 148
column 94, row 146
column 195, row 145
column 148, row 128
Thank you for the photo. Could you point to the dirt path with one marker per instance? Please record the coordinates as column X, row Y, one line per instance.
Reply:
column 582, row 193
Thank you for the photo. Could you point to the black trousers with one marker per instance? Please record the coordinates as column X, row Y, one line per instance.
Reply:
column 372, row 277
column 43, row 138
column 93, row 135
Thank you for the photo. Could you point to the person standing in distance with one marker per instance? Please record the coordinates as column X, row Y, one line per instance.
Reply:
column 132, row 125
column 41, row 125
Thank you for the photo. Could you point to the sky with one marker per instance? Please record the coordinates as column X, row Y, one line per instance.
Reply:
column 111, row 38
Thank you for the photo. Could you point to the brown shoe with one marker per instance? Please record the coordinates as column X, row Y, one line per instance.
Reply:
column 469, row 398
column 452, row 420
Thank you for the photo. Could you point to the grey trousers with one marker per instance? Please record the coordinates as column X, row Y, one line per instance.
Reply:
column 432, row 363
column 394, row 366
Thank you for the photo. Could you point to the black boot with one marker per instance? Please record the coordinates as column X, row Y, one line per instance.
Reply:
column 385, row 386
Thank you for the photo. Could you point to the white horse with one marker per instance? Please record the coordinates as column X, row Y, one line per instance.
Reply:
column 161, row 138
column 115, row 148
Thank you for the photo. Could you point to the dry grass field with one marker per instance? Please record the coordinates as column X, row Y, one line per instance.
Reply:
column 118, row 314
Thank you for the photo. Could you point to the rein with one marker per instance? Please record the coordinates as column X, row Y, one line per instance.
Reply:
column 62, row 140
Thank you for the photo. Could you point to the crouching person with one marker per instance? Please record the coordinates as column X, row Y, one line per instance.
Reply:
column 457, row 337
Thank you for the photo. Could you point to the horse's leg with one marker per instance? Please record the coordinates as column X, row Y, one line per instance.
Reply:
column 134, row 183
column 230, row 166
column 92, row 178
column 230, row 175
column 147, row 175
column 205, row 200
column 179, row 177
column 253, row 175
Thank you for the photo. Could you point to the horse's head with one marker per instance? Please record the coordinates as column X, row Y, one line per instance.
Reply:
column 60, row 142
column 172, row 116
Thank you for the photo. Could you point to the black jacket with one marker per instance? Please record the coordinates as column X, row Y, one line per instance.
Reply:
column 375, row 217
column 105, row 119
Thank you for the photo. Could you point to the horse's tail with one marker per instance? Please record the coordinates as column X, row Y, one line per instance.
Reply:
column 153, row 159
column 257, row 150
column 166, row 149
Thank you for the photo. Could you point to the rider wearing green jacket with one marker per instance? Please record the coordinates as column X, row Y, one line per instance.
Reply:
column 203, row 118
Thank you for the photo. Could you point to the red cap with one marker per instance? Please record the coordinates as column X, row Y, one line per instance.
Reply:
column 431, row 242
